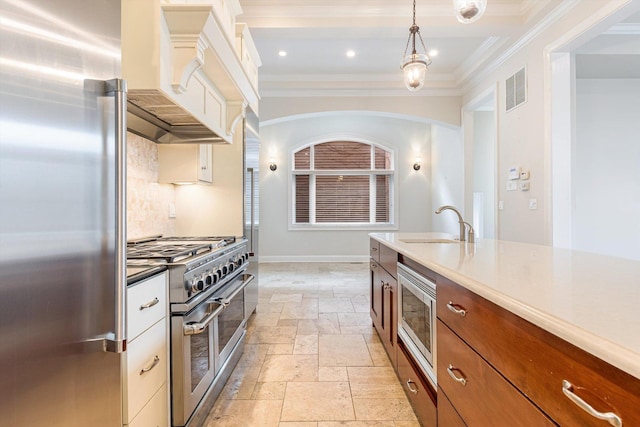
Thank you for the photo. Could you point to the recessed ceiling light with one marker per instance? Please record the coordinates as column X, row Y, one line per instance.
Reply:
column 351, row 53
column 433, row 53
column 282, row 53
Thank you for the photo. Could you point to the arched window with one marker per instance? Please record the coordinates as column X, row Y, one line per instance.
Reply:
column 340, row 183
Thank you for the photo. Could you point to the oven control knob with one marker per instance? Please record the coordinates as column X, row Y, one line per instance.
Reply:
column 208, row 279
column 225, row 269
column 215, row 276
column 197, row 284
column 232, row 266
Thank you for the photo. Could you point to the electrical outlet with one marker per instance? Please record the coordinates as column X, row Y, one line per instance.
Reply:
column 533, row 204
column 512, row 185
column 524, row 185
column 172, row 210
column 500, row 205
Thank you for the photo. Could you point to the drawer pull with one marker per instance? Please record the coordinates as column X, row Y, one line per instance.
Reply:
column 374, row 249
column 610, row 417
column 460, row 380
column 459, row 311
column 150, row 304
column 411, row 389
column 373, row 265
column 156, row 360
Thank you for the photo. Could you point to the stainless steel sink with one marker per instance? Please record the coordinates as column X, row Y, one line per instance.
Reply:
column 429, row 240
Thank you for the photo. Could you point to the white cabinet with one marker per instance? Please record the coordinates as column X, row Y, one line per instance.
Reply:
column 145, row 366
column 185, row 163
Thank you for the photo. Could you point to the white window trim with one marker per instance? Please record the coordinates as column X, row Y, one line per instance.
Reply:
column 312, row 225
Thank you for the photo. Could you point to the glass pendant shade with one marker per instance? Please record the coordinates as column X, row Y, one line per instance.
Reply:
column 468, row 11
column 414, row 68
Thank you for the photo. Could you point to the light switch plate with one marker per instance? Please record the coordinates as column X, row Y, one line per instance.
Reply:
column 500, row 205
column 514, row 172
column 172, row 210
column 512, row 186
column 533, row 204
column 524, row 186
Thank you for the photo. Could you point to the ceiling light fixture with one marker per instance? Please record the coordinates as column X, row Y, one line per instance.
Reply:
column 351, row 54
column 468, row 11
column 282, row 53
column 414, row 65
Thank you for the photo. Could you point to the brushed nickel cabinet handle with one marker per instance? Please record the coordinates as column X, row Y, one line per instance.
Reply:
column 460, row 380
column 374, row 249
column 459, row 311
column 411, row 389
column 610, row 417
column 149, row 304
column 156, row 360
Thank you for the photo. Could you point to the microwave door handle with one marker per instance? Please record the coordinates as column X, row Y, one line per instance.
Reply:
column 225, row 301
column 116, row 341
column 199, row 327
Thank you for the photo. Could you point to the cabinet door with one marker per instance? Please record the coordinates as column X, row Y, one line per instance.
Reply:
column 205, row 171
column 390, row 315
column 376, row 295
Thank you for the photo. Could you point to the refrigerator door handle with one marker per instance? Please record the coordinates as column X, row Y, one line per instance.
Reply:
column 252, row 208
column 116, row 341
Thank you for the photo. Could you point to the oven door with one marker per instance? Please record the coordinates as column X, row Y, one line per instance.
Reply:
column 417, row 308
column 231, row 322
column 193, row 358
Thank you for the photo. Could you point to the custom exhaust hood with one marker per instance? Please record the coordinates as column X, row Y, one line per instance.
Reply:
column 191, row 70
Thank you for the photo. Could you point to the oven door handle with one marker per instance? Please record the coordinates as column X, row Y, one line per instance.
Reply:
column 199, row 327
column 225, row 301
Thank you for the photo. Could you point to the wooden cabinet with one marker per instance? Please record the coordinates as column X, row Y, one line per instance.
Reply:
column 421, row 396
column 533, row 361
column 146, row 360
column 384, row 299
column 479, row 393
column 185, row 163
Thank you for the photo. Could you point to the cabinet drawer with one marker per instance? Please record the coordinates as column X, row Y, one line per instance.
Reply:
column 155, row 413
column 374, row 249
column 389, row 260
column 447, row 415
column 421, row 396
column 145, row 367
column 486, row 399
column 537, row 362
column 146, row 304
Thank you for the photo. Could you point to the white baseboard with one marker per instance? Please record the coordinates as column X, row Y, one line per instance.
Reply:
column 314, row 258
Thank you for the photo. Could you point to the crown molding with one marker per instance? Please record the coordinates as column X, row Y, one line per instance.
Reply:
column 351, row 92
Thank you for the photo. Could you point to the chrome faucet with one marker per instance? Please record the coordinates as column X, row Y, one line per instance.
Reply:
column 461, row 221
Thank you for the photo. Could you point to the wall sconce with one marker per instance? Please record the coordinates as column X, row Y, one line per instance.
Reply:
column 417, row 164
column 272, row 165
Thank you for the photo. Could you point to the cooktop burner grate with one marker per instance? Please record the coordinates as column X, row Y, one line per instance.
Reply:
column 170, row 253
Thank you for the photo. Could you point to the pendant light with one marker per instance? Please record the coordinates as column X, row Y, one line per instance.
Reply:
column 468, row 11
column 414, row 65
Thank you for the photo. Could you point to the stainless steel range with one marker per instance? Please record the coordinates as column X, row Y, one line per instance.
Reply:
column 207, row 278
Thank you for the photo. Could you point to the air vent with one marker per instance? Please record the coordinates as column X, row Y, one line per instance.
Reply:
column 516, row 89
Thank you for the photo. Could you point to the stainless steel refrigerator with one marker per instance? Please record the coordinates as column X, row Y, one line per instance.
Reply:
column 62, row 213
column 251, row 204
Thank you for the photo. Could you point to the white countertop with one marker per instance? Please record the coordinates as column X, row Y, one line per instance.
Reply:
column 589, row 300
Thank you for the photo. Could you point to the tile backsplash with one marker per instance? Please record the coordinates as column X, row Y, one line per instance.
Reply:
column 147, row 200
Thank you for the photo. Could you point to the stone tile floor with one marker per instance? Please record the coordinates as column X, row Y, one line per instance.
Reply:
column 312, row 357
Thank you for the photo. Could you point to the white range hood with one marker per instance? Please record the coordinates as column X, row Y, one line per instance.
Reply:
column 191, row 70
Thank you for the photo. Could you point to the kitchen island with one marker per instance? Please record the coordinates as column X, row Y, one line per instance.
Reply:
column 528, row 305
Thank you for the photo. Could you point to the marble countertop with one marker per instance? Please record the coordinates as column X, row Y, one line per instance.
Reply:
column 589, row 300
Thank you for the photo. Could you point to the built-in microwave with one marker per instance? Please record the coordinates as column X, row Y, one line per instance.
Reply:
column 417, row 318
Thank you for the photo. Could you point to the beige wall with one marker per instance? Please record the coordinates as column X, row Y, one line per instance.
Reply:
column 147, row 201
column 435, row 109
